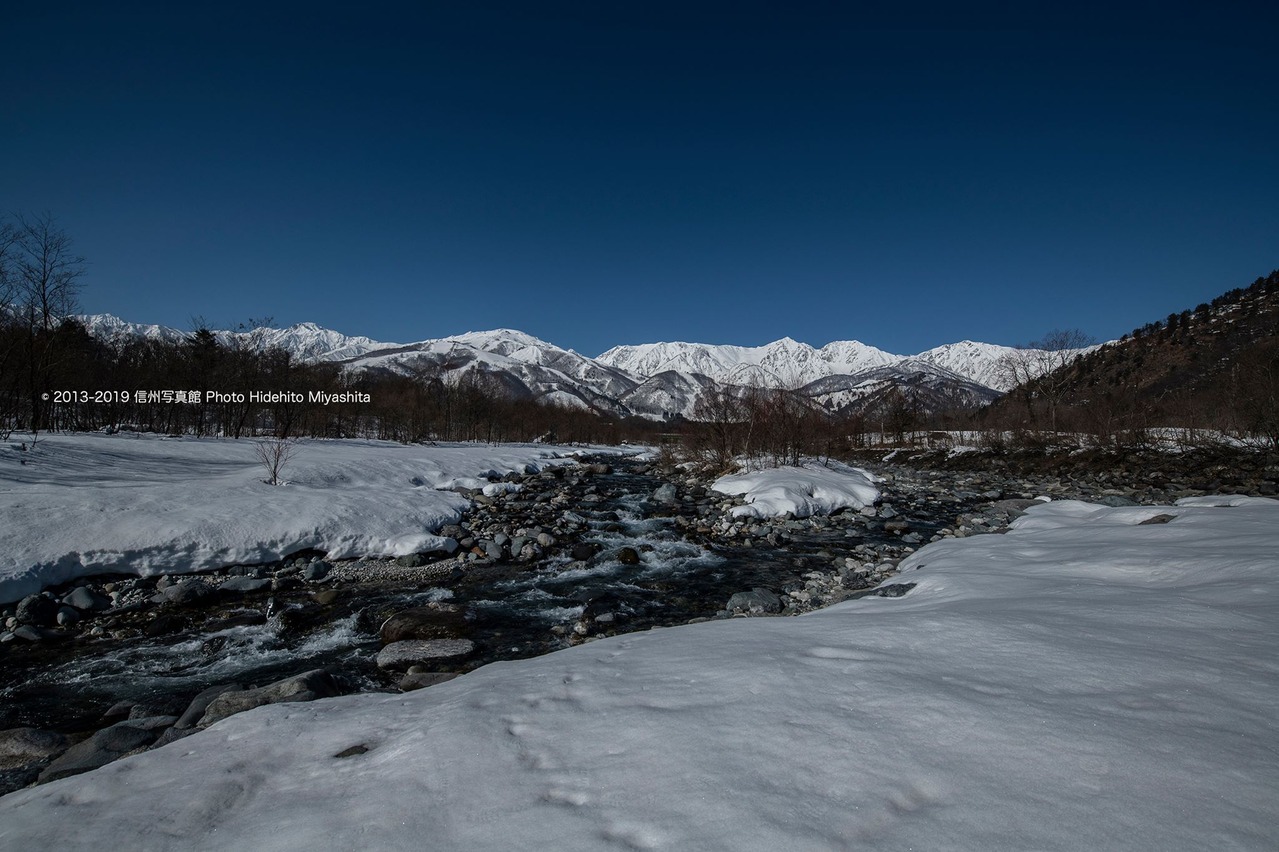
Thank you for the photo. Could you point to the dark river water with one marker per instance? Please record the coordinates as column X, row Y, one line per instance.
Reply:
column 509, row 610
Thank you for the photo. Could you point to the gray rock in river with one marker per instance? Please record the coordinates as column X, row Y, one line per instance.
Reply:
column 401, row 655
column 37, row 610
column 584, row 550
column 316, row 571
column 308, row 686
column 420, row 680
column 433, row 621
column 87, row 600
column 666, row 494
column 105, row 746
column 244, row 585
column 31, row 633
column 24, row 746
column 187, row 592
column 195, row 710
column 1014, row 507
column 755, row 602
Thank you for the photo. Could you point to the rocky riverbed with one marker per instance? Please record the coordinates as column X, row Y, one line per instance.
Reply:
column 107, row 666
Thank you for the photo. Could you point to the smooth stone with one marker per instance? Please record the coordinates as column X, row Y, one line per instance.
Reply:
column 163, row 625
column 105, row 746
column 119, row 711
column 195, row 710
column 420, row 680
column 434, row 621
column 24, row 746
column 85, row 599
column 31, row 633
column 187, row 592
column 308, row 686
column 244, row 585
column 36, row 610
column 666, row 494
column 757, row 601
column 238, row 618
column 584, row 550
column 401, row 655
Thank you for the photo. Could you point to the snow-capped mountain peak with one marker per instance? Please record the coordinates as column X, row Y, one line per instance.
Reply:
column 651, row 379
column 507, row 341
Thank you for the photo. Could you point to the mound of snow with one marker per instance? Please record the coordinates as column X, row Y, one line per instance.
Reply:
column 134, row 504
column 814, row 489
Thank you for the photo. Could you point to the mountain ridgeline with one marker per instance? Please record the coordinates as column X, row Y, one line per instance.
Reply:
column 661, row 382
column 1210, row 367
column 1214, row 367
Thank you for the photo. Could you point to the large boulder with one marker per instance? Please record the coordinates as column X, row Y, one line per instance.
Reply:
column 105, row 746
column 755, row 602
column 87, row 600
column 583, row 551
column 411, row 652
column 666, row 494
column 308, row 686
column 195, row 710
column 420, row 680
column 186, row 592
column 433, row 621
column 316, row 571
column 23, row 746
column 37, row 610
column 245, row 585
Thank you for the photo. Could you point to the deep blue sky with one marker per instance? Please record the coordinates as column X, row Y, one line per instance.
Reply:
column 601, row 173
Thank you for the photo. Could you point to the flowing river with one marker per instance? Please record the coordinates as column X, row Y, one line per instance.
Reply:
column 510, row 610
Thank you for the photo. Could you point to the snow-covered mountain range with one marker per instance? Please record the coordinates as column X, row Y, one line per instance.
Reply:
column 655, row 380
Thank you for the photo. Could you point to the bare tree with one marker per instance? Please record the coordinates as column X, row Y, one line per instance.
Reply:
column 41, row 277
column 723, row 422
column 9, row 336
column 273, row 454
column 46, row 272
column 1037, row 371
column 1255, row 393
column 8, row 236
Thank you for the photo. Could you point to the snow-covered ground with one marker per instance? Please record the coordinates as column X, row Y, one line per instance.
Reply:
column 141, row 504
column 1085, row 681
column 812, row 489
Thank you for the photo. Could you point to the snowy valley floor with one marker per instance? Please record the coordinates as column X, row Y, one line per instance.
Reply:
column 1097, row 678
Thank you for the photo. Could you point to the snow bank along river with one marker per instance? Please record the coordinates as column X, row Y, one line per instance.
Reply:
column 1098, row 677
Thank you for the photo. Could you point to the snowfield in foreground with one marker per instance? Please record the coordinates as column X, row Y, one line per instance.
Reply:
column 813, row 489
column 1086, row 681
column 142, row 504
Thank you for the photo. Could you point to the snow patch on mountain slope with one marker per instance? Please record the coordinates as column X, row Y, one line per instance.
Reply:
column 782, row 363
column 305, row 341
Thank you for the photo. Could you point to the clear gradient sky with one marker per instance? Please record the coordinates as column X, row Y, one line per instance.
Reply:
column 598, row 173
